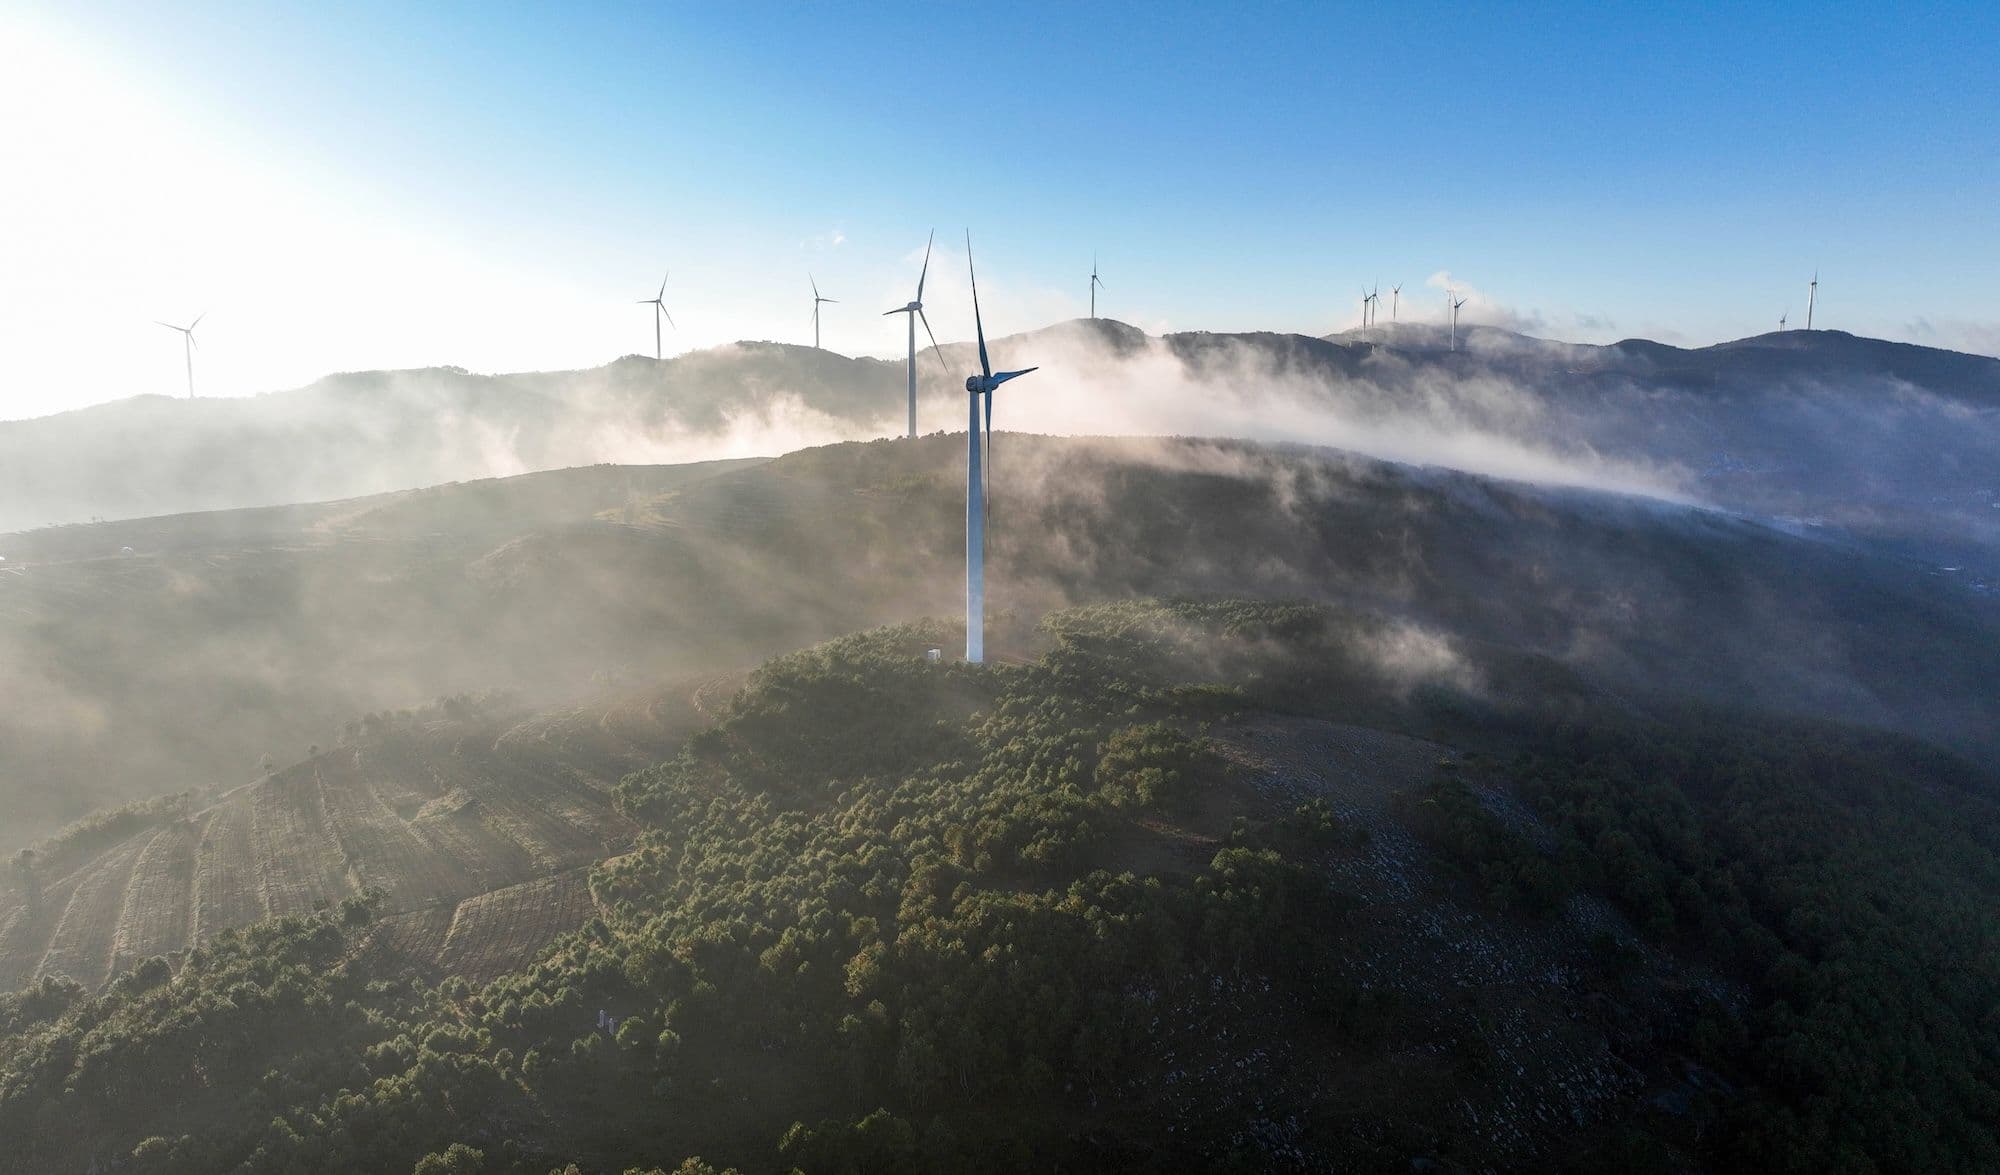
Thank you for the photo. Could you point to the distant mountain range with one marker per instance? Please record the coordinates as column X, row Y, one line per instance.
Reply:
column 1818, row 430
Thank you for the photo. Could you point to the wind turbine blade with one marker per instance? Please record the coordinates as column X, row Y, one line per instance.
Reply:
column 1004, row 376
column 935, row 349
column 927, row 266
column 978, row 326
column 171, row 326
column 836, row 301
column 663, row 288
column 197, row 320
column 670, row 318
column 815, row 285
column 897, row 310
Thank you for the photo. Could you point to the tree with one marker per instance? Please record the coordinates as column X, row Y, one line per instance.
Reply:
column 458, row 1159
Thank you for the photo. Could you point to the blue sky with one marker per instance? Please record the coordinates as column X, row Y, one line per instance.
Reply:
column 372, row 185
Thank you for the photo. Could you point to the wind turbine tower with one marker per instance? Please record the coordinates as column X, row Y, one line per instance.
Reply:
column 1095, row 285
column 1456, row 302
column 916, row 311
column 1812, row 296
column 977, row 440
column 187, row 345
column 659, row 305
column 816, row 301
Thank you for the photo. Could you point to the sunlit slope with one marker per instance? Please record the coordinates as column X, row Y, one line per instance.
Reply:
column 228, row 636
column 472, row 821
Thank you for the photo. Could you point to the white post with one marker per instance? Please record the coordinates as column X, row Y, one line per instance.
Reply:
column 975, row 542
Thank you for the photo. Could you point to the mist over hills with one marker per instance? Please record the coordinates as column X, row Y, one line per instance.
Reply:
column 1436, row 814
column 233, row 635
column 1886, row 441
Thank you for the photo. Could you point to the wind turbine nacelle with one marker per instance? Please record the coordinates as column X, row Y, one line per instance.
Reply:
column 975, row 384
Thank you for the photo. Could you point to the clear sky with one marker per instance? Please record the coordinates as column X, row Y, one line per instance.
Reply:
column 492, row 186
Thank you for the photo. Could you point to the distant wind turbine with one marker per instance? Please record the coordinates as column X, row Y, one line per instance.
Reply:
column 1395, row 298
column 1366, row 299
column 916, row 311
column 1812, row 296
column 1095, row 285
column 1783, row 318
column 816, row 301
column 187, row 345
column 1375, row 304
column 1456, row 302
column 977, row 440
column 659, row 305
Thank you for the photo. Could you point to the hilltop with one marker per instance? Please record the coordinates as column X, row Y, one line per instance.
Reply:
column 227, row 637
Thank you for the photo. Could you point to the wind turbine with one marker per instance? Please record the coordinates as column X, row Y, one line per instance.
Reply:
column 1375, row 304
column 1095, row 285
column 916, row 311
column 816, row 301
column 1782, row 318
column 1456, row 302
column 1395, row 299
column 976, row 386
column 659, row 305
column 1812, row 296
column 187, row 345
column 1366, row 299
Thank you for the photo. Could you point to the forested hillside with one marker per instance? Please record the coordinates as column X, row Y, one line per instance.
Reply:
column 1146, row 900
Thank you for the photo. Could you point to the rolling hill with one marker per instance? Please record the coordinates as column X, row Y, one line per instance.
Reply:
column 1886, row 441
column 1198, row 885
column 1440, row 819
column 226, row 638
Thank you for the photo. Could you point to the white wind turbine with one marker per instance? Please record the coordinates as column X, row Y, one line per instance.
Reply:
column 1812, row 296
column 816, row 301
column 187, row 345
column 1395, row 299
column 659, row 305
column 1456, row 302
column 1095, row 285
column 977, row 386
column 916, row 311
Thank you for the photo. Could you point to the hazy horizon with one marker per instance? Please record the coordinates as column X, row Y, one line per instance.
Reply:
column 409, row 193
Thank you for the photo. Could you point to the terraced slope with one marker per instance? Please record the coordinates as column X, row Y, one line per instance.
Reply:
column 477, row 826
